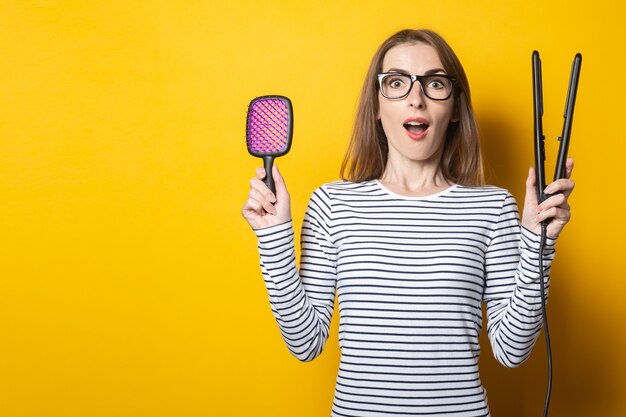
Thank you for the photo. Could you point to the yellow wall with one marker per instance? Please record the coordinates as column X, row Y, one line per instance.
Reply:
column 129, row 283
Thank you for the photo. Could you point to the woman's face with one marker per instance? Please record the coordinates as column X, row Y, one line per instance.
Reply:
column 415, row 125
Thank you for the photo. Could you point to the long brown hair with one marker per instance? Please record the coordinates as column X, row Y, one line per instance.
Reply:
column 366, row 156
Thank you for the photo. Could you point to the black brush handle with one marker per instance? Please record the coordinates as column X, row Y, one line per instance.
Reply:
column 268, row 161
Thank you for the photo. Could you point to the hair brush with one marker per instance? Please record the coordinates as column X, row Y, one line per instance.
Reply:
column 269, row 128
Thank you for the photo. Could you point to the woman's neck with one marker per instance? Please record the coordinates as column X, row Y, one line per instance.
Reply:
column 414, row 179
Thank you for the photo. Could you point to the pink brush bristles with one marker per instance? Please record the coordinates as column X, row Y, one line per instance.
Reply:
column 268, row 125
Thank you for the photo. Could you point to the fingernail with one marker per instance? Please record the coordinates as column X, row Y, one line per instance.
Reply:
column 271, row 197
column 549, row 189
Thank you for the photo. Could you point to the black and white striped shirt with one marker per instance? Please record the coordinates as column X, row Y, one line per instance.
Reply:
column 410, row 274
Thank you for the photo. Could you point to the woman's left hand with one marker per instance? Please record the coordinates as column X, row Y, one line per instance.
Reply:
column 555, row 207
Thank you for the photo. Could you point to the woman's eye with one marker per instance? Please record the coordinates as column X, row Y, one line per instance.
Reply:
column 396, row 83
column 436, row 84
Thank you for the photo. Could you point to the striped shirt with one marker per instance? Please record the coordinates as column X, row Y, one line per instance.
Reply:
column 410, row 274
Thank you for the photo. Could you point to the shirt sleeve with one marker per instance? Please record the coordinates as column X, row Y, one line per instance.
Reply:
column 512, row 289
column 302, row 301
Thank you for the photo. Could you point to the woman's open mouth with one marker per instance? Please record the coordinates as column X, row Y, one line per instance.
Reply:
column 416, row 128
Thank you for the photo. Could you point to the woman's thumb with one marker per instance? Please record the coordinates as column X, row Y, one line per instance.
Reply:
column 281, row 187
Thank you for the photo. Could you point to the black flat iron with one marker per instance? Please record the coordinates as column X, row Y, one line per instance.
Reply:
column 559, row 172
column 568, row 116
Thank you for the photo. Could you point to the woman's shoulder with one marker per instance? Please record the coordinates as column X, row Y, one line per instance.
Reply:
column 341, row 188
column 484, row 195
column 332, row 195
column 482, row 190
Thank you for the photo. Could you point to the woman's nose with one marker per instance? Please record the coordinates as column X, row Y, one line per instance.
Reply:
column 416, row 96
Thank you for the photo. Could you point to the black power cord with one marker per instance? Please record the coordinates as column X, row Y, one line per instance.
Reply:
column 542, row 287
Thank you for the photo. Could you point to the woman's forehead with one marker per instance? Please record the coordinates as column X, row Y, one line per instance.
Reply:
column 416, row 58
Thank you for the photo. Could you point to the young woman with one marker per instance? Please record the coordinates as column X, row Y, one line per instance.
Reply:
column 411, row 243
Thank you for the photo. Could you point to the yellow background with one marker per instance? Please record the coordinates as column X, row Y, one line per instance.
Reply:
column 129, row 283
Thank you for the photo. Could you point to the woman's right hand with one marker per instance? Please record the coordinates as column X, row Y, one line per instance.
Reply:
column 263, row 208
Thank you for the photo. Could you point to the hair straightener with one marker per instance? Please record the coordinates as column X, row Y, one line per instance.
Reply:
column 559, row 173
column 567, row 123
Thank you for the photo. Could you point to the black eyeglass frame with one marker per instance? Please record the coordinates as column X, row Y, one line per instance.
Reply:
column 414, row 78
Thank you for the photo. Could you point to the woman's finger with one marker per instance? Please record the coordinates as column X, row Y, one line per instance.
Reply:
column 252, row 207
column 564, row 185
column 262, row 189
column 556, row 200
column 263, row 200
column 569, row 167
column 555, row 213
column 556, row 225
column 531, row 192
column 279, row 182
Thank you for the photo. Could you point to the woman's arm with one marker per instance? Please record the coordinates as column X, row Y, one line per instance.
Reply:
column 302, row 301
column 512, row 287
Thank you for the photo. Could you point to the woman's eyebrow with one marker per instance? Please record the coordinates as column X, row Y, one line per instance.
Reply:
column 401, row 71
column 435, row 71
column 429, row 72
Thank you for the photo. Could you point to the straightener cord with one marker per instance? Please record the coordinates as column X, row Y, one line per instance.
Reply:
column 542, row 246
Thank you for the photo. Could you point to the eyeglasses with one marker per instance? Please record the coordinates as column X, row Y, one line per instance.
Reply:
column 395, row 85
